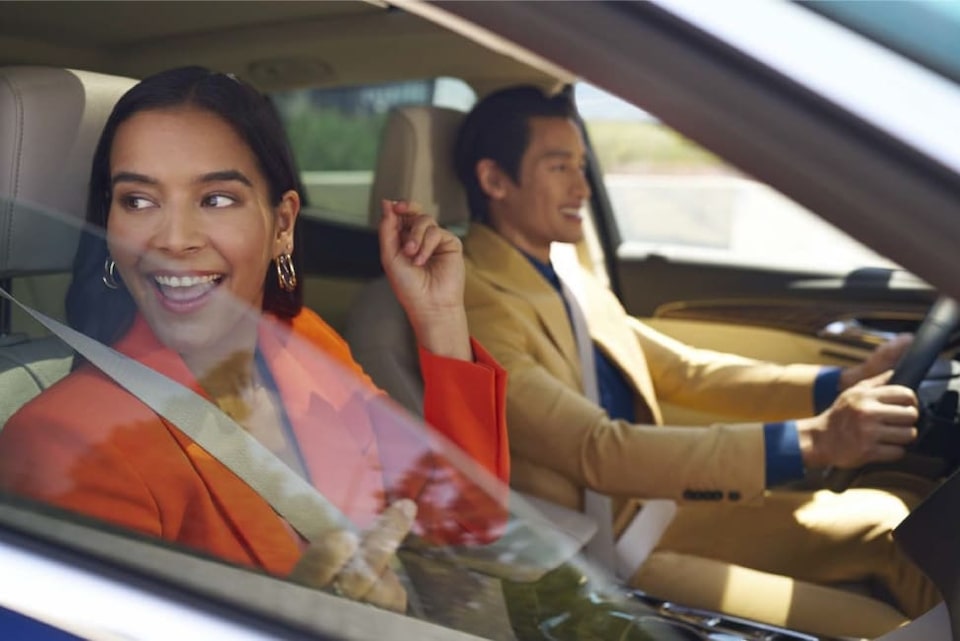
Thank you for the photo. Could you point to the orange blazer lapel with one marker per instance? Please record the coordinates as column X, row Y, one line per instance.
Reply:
column 326, row 403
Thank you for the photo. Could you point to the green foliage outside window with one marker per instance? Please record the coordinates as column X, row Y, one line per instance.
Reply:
column 327, row 140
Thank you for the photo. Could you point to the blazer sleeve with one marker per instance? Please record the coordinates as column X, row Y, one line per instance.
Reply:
column 555, row 426
column 725, row 384
column 466, row 403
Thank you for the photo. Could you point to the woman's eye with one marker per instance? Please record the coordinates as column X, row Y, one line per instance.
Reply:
column 218, row 200
column 135, row 202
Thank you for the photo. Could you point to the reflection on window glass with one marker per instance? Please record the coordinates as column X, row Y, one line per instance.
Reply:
column 335, row 135
column 927, row 31
column 671, row 196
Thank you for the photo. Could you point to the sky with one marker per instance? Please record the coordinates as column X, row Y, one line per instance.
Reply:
column 596, row 104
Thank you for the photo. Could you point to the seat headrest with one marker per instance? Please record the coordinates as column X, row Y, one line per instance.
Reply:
column 50, row 121
column 415, row 162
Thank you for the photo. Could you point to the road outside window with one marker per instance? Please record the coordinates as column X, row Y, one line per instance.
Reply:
column 672, row 197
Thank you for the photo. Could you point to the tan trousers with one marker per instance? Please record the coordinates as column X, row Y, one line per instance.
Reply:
column 738, row 559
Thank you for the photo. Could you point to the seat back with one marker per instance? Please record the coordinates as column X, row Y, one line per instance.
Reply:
column 50, row 121
column 415, row 163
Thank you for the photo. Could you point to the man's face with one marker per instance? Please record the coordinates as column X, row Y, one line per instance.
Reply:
column 544, row 205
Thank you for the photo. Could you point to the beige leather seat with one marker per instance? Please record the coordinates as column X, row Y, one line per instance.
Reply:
column 415, row 163
column 50, row 121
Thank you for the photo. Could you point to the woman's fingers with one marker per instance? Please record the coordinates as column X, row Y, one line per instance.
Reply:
column 388, row 593
column 405, row 228
column 433, row 239
column 389, row 230
column 359, row 569
column 380, row 543
column 414, row 228
column 324, row 559
column 377, row 548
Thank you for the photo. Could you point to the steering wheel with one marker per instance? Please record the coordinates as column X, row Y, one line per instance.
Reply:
column 931, row 338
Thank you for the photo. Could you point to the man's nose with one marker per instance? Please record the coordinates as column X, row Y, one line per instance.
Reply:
column 582, row 185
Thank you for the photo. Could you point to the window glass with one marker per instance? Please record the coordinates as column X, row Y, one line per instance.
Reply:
column 335, row 134
column 673, row 197
column 926, row 30
column 330, row 445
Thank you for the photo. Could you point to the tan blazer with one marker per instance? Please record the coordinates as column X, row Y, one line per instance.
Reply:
column 562, row 442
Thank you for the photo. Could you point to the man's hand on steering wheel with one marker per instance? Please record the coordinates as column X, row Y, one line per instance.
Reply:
column 930, row 339
column 883, row 358
column 870, row 422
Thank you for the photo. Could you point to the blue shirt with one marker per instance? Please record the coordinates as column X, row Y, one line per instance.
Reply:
column 616, row 395
column 781, row 442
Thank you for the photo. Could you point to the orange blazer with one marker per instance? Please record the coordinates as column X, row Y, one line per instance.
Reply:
column 88, row 445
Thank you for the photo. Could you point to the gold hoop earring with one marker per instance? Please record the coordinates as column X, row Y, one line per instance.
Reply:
column 286, row 274
column 109, row 278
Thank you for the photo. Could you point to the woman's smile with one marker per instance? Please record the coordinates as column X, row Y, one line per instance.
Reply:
column 184, row 293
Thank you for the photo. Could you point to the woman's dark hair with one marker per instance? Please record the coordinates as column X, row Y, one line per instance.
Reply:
column 107, row 314
column 498, row 128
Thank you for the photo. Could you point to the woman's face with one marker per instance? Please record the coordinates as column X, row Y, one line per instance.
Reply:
column 192, row 229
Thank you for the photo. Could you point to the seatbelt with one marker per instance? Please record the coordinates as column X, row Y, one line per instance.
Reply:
column 293, row 498
column 596, row 505
column 624, row 556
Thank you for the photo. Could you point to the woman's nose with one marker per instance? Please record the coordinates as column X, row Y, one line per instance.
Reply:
column 179, row 230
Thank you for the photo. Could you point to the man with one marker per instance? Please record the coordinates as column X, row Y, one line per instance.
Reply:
column 520, row 157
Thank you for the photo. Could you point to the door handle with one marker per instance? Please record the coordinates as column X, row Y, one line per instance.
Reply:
column 850, row 330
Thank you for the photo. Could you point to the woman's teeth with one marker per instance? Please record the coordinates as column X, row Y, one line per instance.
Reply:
column 186, row 288
column 185, row 281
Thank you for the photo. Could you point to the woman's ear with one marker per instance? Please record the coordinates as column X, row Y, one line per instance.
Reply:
column 287, row 212
column 492, row 180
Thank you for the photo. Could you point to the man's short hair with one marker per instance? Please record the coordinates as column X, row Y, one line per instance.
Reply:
column 498, row 128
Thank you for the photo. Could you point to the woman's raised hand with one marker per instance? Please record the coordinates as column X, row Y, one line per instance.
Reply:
column 424, row 264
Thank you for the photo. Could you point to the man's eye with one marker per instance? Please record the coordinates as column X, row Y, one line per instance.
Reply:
column 218, row 200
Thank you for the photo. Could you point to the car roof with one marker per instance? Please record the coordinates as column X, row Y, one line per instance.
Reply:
column 274, row 45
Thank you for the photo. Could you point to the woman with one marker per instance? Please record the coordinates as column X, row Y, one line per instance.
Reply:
column 194, row 184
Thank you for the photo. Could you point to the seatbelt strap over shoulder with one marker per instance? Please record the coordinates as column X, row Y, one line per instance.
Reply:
column 597, row 506
column 624, row 556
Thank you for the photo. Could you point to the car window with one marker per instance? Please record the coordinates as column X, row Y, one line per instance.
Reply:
column 85, row 439
column 335, row 134
column 670, row 196
column 926, row 30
